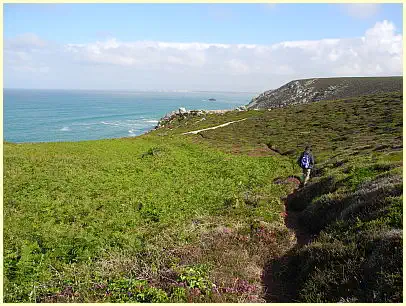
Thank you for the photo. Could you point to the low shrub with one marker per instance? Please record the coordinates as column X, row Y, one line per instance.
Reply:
column 303, row 197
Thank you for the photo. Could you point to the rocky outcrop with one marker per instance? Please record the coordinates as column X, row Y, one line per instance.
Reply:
column 183, row 113
column 180, row 113
column 311, row 90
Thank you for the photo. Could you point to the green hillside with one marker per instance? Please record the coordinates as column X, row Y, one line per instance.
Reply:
column 353, row 205
column 84, row 221
column 324, row 89
column 167, row 217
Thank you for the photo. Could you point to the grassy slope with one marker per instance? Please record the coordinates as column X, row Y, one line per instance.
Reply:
column 340, row 127
column 84, row 220
column 360, row 86
column 354, row 204
column 89, row 221
column 352, row 87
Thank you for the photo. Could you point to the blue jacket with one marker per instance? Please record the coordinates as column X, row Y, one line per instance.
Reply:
column 312, row 162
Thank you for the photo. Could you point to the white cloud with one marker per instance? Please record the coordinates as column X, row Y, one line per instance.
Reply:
column 362, row 10
column 26, row 55
column 142, row 54
column 153, row 64
column 26, row 41
column 238, row 67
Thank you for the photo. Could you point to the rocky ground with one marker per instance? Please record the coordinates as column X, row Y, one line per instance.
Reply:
column 182, row 113
column 312, row 90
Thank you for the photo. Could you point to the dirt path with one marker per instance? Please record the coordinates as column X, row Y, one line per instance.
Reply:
column 280, row 289
column 292, row 222
column 214, row 127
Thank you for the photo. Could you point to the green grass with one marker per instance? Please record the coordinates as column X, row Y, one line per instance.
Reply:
column 80, row 204
column 333, row 128
column 354, row 202
column 343, row 88
column 167, row 217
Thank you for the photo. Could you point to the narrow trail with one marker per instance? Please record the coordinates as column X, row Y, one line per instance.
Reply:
column 292, row 222
column 292, row 217
column 214, row 127
column 279, row 289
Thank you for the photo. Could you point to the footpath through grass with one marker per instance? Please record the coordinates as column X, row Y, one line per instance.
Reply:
column 354, row 203
column 198, row 218
column 144, row 219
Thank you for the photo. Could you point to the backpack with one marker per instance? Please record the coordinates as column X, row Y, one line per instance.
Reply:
column 305, row 161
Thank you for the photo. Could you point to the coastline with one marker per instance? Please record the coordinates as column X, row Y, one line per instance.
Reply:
column 167, row 118
column 182, row 113
column 66, row 116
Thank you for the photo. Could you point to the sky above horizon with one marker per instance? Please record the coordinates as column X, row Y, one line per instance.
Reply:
column 225, row 47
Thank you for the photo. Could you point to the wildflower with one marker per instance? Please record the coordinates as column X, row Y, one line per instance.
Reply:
column 195, row 291
column 226, row 230
column 283, row 214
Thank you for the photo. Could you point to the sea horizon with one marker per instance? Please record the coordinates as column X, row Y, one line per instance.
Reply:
column 55, row 115
column 137, row 90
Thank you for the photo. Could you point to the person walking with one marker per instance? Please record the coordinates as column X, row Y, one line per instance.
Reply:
column 306, row 162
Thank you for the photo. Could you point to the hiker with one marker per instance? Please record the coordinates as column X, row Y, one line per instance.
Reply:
column 306, row 162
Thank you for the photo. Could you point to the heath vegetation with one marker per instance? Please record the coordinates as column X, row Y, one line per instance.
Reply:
column 167, row 217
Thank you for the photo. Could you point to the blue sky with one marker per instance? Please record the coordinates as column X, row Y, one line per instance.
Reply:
column 93, row 36
column 210, row 23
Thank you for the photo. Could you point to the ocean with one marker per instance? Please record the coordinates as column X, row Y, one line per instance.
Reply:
column 75, row 115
